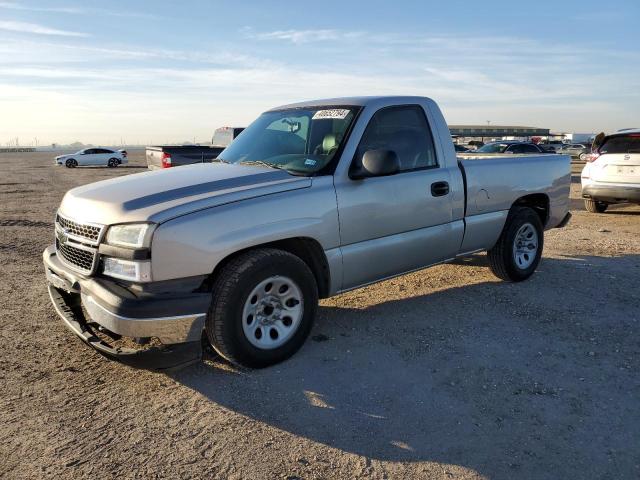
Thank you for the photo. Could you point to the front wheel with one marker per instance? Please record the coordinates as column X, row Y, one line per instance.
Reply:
column 594, row 206
column 71, row 163
column 517, row 253
column 263, row 306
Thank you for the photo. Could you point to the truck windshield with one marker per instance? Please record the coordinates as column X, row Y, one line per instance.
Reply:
column 300, row 140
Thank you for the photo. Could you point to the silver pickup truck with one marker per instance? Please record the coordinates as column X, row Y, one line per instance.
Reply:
column 312, row 200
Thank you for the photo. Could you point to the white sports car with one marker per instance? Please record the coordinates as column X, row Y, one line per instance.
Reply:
column 93, row 156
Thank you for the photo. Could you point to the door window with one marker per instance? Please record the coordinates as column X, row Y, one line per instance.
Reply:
column 529, row 149
column 514, row 149
column 403, row 130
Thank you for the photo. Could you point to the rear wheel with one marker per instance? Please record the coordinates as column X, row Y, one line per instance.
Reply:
column 594, row 206
column 517, row 253
column 263, row 305
column 583, row 156
column 71, row 163
column 113, row 162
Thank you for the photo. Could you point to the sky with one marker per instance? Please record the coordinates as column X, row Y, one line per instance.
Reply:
column 146, row 72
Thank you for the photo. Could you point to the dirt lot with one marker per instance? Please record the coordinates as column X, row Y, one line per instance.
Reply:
column 445, row 373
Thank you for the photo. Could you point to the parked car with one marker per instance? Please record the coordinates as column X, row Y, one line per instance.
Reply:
column 510, row 146
column 551, row 146
column 577, row 150
column 612, row 172
column 312, row 200
column 167, row 156
column 93, row 156
column 461, row 148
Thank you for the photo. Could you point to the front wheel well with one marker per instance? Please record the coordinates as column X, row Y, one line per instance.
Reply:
column 538, row 202
column 305, row 248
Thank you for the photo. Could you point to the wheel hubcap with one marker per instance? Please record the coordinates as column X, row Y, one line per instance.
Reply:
column 525, row 246
column 272, row 312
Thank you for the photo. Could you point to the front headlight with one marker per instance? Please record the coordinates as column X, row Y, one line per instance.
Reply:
column 135, row 271
column 134, row 235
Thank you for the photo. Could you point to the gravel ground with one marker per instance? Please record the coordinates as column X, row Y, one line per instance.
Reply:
column 444, row 373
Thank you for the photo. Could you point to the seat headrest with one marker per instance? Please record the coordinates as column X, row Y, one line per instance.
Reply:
column 329, row 142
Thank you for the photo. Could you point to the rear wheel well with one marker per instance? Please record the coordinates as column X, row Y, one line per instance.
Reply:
column 538, row 202
column 307, row 249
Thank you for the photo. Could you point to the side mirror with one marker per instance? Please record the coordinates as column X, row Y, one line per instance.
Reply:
column 377, row 163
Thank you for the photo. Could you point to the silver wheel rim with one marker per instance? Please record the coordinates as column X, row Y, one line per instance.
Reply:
column 272, row 312
column 525, row 246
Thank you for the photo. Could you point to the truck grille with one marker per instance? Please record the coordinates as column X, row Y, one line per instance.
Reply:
column 82, row 230
column 76, row 244
column 75, row 257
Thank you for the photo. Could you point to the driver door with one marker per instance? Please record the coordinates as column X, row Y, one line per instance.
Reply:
column 393, row 224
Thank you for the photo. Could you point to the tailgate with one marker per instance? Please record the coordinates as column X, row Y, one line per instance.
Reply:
column 198, row 155
column 154, row 157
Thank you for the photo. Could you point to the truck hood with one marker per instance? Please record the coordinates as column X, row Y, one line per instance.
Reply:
column 161, row 195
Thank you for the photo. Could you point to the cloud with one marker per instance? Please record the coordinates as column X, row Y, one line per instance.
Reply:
column 302, row 36
column 34, row 28
column 74, row 10
column 32, row 51
column 170, row 94
column 18, row 6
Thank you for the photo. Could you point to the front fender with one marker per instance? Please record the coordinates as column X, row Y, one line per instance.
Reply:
column 193, row 244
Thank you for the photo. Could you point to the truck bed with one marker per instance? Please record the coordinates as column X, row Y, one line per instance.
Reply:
column 494, row 181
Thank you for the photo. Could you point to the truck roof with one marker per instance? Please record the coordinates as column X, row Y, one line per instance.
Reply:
column 356, row 101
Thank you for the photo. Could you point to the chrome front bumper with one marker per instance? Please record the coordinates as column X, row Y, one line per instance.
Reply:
column 70, row 292
column 178, row 329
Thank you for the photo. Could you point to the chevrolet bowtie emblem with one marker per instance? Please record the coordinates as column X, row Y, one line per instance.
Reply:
column 62, row 237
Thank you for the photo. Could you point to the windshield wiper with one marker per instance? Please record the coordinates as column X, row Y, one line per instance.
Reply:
column 262, row 163
column 219, row 160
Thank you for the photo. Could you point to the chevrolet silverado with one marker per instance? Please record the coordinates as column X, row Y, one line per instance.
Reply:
column 312, row 200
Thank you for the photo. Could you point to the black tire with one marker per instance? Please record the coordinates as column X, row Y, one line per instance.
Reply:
column 71, row 163
column 231, row 289
column 113, row 162
column 594, row 206
column 501, row 257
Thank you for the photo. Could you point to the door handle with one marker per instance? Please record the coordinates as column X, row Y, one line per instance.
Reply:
column 439, row 189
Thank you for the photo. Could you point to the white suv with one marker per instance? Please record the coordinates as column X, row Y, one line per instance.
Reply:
column 612, row 172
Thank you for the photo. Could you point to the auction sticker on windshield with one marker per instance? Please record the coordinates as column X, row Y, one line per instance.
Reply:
column 334, row 113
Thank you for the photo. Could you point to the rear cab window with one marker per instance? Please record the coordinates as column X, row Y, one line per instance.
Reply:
column 222, row 137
